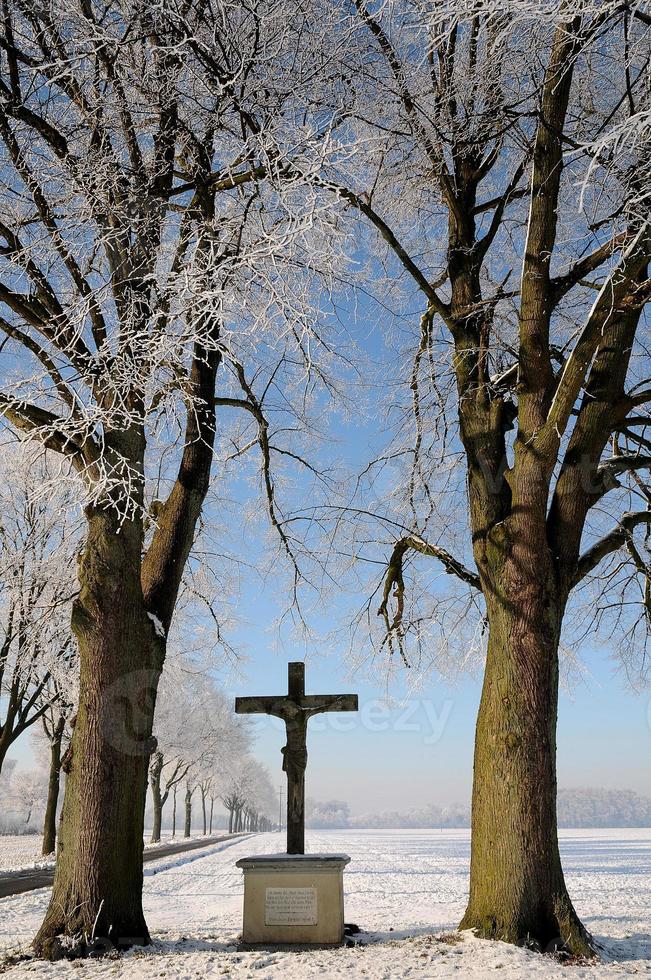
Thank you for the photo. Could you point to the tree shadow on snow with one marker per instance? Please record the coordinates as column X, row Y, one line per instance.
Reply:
column 635, row 946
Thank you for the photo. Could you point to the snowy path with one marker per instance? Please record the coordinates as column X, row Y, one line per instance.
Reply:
column 22, row 852
column 402, row 887
column 41, row 875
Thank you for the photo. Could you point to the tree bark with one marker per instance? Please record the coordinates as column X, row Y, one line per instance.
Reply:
column 203, row 813
column 50, row 820
column 212, row 807
column 96, row 901
column 174, row 814
column 517, row 887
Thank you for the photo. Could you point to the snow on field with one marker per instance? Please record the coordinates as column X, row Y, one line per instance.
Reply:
column 405, row 889
column 21, row 852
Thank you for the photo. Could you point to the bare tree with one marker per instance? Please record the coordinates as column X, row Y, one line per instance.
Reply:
column 212, row 809
column 502, row 168
column 190, row 788
column 38, row 545
column 174, row 792
column 27, row 792
column 205, row 785
column 247, row 793
column 156, row 245
column 59, row 712
column 196, row 731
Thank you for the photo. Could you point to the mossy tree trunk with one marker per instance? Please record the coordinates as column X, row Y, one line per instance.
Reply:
column 121, row 619
column 97, row 894
column 517, row 887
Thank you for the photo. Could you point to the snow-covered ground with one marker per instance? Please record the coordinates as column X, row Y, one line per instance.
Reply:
column 22, row 852
column 405, row 889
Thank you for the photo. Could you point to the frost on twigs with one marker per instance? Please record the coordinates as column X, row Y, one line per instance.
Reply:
column 501, row 183
column 160, row 214
column 39, row 543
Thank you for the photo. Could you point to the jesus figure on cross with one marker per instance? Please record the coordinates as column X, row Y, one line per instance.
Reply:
column 296, row 708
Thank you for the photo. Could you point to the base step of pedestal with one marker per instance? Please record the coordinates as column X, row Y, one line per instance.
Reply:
column 293, row 898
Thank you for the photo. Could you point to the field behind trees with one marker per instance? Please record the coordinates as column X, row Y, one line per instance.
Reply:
column 405, row 889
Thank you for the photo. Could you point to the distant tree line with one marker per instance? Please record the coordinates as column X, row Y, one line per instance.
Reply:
column 603, row 808
column 583, row 807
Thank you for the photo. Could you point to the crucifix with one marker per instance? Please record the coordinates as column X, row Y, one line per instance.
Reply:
column 295, row 708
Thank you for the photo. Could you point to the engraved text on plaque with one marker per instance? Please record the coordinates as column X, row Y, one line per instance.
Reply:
column 290, row 907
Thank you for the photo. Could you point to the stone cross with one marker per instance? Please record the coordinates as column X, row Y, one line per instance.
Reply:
column 295, row 708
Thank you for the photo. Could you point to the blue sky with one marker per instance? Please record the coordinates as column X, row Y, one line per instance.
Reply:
column 420, row 752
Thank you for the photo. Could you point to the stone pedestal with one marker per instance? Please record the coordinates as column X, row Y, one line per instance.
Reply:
column 293, row 898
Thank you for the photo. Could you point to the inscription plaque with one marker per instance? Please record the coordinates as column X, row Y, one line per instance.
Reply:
column 290, row 907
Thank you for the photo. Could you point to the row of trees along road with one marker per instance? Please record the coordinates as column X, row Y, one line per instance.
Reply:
column 188, row 193
column 248, row 796
column 202, row 748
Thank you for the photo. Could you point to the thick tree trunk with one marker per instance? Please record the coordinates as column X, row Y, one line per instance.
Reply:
column 230, row 821
column 517, row 888
column 50, row 820
column 188, row 812
column 174, row 814
column 96, row 901
column 203, row 813
column 212, row 807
